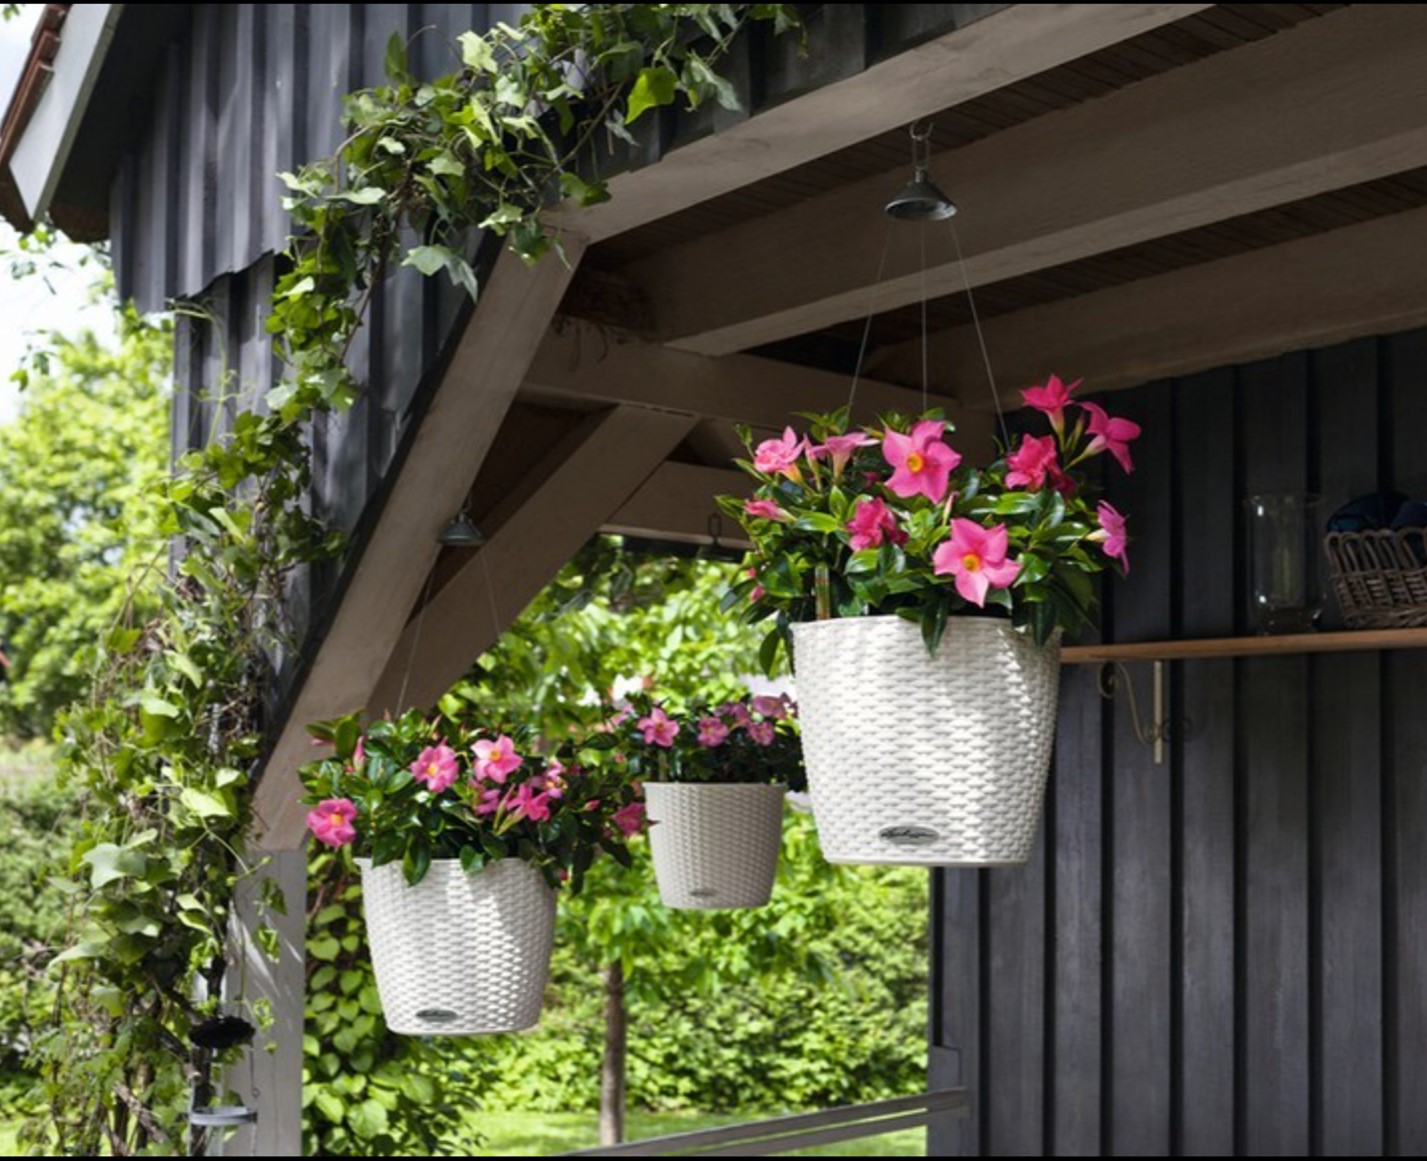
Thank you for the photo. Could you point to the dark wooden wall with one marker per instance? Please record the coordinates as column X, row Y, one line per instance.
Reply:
column 1226, row 953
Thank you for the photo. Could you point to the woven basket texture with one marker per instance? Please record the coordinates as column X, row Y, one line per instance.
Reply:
column 918, row 761
column 715, row 845
column 1380, row 577
column 460, row 954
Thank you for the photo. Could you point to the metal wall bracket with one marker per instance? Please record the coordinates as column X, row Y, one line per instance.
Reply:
column 1113, row 675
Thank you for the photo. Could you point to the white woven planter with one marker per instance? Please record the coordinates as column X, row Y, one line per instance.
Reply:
column 460, row 954
column 917, row 760
column 715, row 845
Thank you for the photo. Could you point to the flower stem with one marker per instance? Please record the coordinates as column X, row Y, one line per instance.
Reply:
column 822, row 593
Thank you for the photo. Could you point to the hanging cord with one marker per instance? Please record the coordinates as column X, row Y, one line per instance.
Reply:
column 871, row 312
column 980, row 337
column 926, row 373
column 415, row 639
column 490, row 592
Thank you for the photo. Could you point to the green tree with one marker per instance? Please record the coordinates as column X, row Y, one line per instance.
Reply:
column 75, row 464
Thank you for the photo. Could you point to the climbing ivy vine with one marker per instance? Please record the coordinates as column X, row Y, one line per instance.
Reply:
column 165, row 747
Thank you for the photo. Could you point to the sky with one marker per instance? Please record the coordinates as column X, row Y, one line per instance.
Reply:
column 58, row 300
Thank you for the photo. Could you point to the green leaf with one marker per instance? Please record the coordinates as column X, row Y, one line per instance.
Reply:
column 368, row 1120
column 446, row 165
column 329, row 1104
column 89, row 949
column 203, row 804
column 109, row 863
column 396, row 67
column 476, row 54
column 367, row 196
column 324, row 947
column 428, row 259
column 155, row 706
column 418, row 1088
column 655, row 86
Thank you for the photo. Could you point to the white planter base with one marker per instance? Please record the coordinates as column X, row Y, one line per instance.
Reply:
column 715, row 845
column 921, row 761
column 460, row 954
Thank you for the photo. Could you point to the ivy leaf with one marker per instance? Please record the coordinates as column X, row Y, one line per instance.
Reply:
column 89, row 949
column 428, row 259
column 368, row 1120
column 476, row 54
column 109, row 863
column 396, row 66
column 656, row 86
column 446, row 165
column 367, row 196
column 324, row 948
column 203, row 804
column 329, row 1104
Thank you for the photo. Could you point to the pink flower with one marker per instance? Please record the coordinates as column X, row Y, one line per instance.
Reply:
column 1112, row 533
column 1112, row 435
column 736, row 711
column 976, row 556
column 496, row 760
column 489, row 801
column 1030, row 465
column 524, row 802
column 1052, row 399
column 659, row 728
column 768, row 707
column 630, row 819
column 840, row 448
column 712, row 732
column 872, row 522
column 921, row 461
column 762, row 732
column 767, row 510
column 359, row 755
column 437, row 767
column 331, row 821
column 780, row 456
column 556, row 776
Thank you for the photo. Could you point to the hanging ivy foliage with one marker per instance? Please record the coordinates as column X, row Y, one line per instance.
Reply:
column 165, row 748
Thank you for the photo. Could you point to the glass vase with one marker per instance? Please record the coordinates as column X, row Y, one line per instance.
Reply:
column 1285, row 577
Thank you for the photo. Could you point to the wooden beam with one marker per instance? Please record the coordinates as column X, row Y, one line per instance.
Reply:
column 583, row 363
column 1366, row 279
column 1338, row 101
column 490, row 362
column 577, row 487
column 677, row 503
column 1020, row 41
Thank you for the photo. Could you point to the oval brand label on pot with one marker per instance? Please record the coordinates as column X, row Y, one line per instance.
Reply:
column 908, row 836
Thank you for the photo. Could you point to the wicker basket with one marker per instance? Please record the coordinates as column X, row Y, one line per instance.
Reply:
column 460, row 954
column 715, row 845
column 922, row 761
column 1380, row 577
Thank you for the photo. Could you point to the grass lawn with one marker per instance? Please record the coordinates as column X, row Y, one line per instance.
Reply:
column 540, row 1134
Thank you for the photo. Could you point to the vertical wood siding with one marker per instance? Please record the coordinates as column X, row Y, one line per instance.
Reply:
column 1227, row 953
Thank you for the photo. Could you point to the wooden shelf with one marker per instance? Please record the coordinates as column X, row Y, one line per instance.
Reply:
column 1287, row 645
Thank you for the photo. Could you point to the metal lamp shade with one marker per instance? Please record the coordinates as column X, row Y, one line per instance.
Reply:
column 921, row 201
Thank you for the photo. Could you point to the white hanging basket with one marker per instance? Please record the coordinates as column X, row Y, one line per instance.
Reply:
column 715, row 845
column 460, row 954
column 919, row 761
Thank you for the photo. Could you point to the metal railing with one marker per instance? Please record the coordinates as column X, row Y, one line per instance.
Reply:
column 800, row 1131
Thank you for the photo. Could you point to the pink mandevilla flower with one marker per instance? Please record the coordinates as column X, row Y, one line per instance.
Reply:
column 768, row 707
column 359, row 755
column 437, row 767
column 1112, row 534
column 780, row 456
column 557, row 775
column 630, row 818
column 1052, row 399
column 922, row 463
column 659, row 728
column 1032, row 463
column 767, row 510
column 735, row 711
column 1111, row 434
column 496, row 760
column 976, row 557
column 489, row 801
column 872, row 523
column 762, row 732
column 330, row 821
column 840, row 448
column 524, row 802
column 712, row 732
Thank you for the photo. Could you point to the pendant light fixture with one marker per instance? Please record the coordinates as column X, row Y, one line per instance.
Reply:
column 921, row 200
